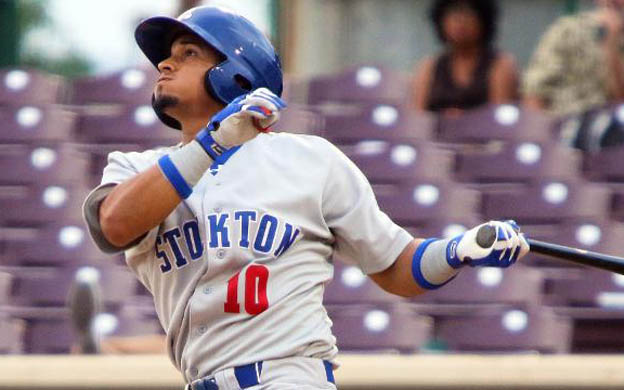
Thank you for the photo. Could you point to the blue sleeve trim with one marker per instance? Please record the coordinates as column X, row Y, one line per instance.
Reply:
column 173, row 175
column 416, row 271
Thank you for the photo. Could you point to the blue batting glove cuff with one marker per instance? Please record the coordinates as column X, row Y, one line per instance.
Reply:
column 208, row 143
column 451, row 253
column 430, row 263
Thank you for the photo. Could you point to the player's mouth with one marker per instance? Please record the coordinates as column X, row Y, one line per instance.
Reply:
column 164, row 78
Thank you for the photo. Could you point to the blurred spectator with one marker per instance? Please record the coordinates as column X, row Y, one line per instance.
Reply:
column 470, row 71
column 579, row 62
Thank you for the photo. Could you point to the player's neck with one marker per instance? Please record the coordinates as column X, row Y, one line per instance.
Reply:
column 195, row 120
column 191, row 127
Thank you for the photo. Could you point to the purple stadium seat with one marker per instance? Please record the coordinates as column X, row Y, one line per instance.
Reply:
column 49, row 286
column 97, row 155
column 392, row 163
column 512, row 329
column 496, row 122
column 54, row 244
column 41, row 164
column 41, row 204
column 594, row 234
column 42, row 329
column 384, row 328
column 547, row 201
column 518, row 162
column 125, row 124
column 126, row 324
column 412, row 204
column 362, row 84
column 26, row 86
column 447, row 227
column 139, row 305
column 350, row 285
column 35, row 123
column 11, row 335
column 590, row 287
column 299, row 119
column 350, row 125
column 605, row 165
column 130, row 86
column 596, row 329
column 617, row 201
column 48, row 336
column 295, row 90
column 49, row 329
column 6, row 280
column 517, row 285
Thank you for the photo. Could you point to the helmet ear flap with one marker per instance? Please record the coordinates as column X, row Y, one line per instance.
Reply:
column 166, row 119
column 225, row 84
column 210, row 88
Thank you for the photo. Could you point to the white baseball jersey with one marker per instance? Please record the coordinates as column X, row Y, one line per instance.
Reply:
column 238, row 269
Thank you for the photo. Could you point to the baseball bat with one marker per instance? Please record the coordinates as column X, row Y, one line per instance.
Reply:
column 487, row 235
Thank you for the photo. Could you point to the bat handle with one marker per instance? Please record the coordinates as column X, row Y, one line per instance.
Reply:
column 486, row 236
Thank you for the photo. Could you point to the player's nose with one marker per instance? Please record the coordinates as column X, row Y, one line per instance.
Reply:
column 166, row 66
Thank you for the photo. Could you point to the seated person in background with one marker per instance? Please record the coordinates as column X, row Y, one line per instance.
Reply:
column 469, row 72
column 579, row 62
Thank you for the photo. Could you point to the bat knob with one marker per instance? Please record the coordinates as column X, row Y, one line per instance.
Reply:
column 486, row 236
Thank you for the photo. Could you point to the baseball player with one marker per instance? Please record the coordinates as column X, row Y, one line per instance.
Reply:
column 233, row 229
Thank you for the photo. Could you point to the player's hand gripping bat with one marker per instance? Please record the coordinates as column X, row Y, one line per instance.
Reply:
column 487, row 234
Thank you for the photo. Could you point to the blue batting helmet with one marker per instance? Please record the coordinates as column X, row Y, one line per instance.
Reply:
column 249, row 59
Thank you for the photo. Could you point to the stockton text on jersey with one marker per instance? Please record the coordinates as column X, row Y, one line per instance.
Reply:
column 255, row 231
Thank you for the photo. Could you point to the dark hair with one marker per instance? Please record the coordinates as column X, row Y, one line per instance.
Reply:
column 486, row 10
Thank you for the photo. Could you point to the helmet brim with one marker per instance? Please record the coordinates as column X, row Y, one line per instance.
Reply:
column 155, row 36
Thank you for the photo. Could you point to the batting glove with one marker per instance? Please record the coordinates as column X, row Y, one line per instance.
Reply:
column 240, row 121
column 509, row 246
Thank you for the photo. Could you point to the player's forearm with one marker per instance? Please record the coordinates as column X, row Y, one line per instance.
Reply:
column 136, row 206
column 432, row 263
column 398, row 278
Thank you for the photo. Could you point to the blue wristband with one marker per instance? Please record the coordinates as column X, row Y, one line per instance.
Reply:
column 417, row 272
column 211, row 147
column 175, row 178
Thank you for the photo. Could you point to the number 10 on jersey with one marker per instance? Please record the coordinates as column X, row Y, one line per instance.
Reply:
column 256, row 300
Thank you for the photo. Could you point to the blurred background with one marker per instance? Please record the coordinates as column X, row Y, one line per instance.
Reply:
column 457, row 112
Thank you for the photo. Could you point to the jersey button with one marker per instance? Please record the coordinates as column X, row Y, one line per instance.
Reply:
column 202, row 329
column 193, row 371
column 207, row 290
column 220, row 253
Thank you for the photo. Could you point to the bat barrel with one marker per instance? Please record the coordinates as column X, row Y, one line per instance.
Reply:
column 579, row 256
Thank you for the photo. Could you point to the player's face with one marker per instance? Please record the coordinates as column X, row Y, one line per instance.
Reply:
column 461, row 26
column 180, row 89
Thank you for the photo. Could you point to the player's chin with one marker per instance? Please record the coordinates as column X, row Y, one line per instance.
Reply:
column 165, row 101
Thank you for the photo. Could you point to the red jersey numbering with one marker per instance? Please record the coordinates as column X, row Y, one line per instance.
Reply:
column 256, row 301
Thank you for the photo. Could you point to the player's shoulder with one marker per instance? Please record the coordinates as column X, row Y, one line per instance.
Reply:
column 303, row 143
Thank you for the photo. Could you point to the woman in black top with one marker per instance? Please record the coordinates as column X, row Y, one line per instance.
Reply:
column 470, row 71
